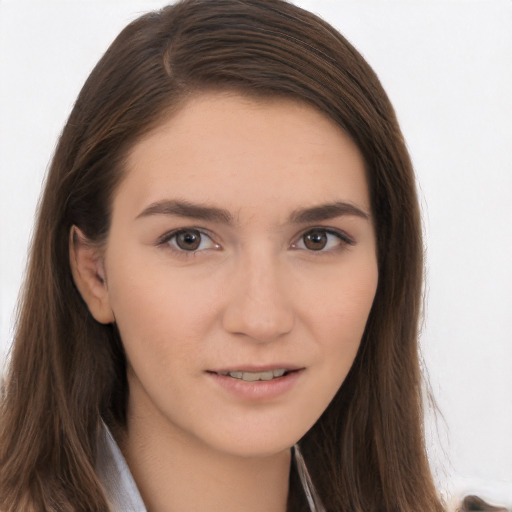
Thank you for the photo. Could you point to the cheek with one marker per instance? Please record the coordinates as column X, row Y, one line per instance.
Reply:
column 341, row 305
column 160, row 315
column 340, row 313
column 336, row 320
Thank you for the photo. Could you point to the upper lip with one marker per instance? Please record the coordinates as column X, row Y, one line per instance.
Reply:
column 255, row 368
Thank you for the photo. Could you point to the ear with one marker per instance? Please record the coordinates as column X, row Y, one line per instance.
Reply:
column 89, row 275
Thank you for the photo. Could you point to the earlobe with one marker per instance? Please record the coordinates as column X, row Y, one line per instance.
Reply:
column 89, row 275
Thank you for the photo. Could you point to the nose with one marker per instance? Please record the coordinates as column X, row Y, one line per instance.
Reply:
column 259, row 306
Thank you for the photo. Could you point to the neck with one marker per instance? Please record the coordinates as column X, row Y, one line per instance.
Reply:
column 175, row 472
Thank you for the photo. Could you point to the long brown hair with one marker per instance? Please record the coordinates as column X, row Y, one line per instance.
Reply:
column 366, row 452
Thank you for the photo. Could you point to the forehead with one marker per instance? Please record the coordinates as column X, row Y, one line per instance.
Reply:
column 240, row 152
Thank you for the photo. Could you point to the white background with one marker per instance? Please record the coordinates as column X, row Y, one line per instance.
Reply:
column 447, row 67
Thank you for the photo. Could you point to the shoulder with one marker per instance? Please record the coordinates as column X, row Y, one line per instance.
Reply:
column 472, row 503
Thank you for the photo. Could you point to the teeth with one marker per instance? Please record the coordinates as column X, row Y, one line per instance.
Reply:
column 252, row 377
column 255, row 376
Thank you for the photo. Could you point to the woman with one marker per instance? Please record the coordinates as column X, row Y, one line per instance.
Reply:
column 227, row 262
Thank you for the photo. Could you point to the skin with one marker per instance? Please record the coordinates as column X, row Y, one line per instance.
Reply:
column 253, row 294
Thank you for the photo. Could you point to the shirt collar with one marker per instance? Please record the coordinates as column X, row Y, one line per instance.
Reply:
column 122, row 493
column 112, row 470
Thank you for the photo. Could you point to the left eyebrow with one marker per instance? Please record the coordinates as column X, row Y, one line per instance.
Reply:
column 326, row 212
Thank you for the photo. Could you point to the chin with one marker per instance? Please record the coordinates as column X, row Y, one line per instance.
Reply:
column 254, row 442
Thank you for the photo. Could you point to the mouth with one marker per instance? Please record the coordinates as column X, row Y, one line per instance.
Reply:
column 257, row 383
column 256, row 376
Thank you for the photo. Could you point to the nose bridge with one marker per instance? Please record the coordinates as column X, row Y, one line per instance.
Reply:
column 259, row 306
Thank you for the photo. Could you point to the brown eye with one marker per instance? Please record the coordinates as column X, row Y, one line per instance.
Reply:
column 315, row 240
column 322, row 240
column 189, row 240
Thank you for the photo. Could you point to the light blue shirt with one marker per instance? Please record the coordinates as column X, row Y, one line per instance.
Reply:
column 113, row 472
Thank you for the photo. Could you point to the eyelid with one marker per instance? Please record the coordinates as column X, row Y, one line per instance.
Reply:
column 344, row 238
column 165, row 239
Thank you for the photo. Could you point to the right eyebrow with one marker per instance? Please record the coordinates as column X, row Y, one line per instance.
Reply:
column 188, row 210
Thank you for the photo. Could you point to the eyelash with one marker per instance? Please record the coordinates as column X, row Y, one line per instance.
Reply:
column 166, row 239
column 342, row 237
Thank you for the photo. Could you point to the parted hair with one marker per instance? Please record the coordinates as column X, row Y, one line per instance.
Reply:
column 67, row 372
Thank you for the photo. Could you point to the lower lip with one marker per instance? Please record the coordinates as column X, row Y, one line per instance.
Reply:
column 259, row 390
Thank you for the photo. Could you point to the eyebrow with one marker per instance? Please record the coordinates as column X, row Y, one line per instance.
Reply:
column 204, row 212
column 326, row 212
column 189, row 210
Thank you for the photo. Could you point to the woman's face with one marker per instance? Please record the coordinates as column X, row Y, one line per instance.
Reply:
column 240, row 269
